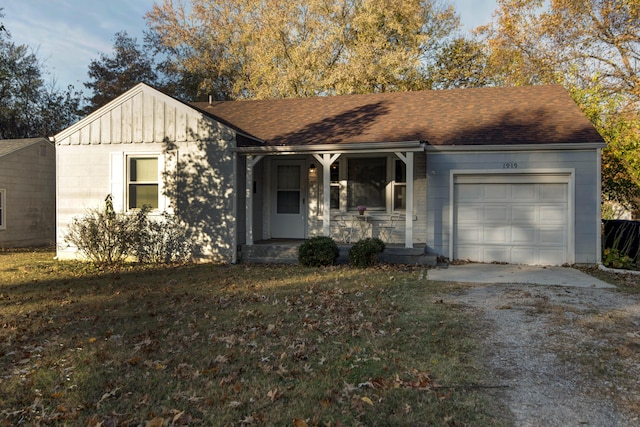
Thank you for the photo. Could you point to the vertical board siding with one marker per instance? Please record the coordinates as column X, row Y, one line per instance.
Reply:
column 116, row 125
column 105, row 128
column 148, row 119
column 126, row 123
column 137, row 118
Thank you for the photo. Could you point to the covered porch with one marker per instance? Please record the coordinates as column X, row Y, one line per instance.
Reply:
column 305, row 191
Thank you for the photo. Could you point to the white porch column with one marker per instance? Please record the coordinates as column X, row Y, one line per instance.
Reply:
column 408, row 231
column 326, row 161
column 251, row 162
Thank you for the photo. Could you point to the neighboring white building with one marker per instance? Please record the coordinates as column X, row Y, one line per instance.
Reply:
column 27, row 192
column 491, row 174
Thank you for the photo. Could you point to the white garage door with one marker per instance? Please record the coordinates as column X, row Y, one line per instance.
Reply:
column 508, row 219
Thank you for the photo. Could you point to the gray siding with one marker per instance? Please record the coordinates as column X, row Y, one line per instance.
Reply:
column 586, row 206
column 196, row 158
column 28, row 177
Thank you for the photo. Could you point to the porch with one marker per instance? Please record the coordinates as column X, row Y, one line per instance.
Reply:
column 285, row 251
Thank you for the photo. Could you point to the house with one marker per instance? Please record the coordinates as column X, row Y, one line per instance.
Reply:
column 27, row 192
column 489, row 175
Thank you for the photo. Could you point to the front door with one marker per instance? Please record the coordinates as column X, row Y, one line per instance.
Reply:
column 289, row 200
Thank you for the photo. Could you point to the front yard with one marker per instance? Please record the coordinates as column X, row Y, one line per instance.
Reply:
column 233, row 345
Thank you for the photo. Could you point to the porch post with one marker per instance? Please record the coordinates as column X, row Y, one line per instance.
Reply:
column 326, row 161
column 408, row 235
column 251, row 162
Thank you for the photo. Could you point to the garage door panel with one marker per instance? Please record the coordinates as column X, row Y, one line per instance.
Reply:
column 495, row 234
column 469, row 213
column 553, row 214
column 523, row 235
column 523, row 255
column 552, row 192
column 524, row 214
column 470, row 193
column 499, row 213
column 469, row 252
column 495, row 254
column 523, row 192
column 469, row 235
column 551, row 237
column 496, row 192
column 522, row 223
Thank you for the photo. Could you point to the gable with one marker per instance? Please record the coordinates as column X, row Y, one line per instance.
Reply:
column 142, row 114
column 9, row 146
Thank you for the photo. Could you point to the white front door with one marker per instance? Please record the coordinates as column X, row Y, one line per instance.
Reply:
column 288, row 209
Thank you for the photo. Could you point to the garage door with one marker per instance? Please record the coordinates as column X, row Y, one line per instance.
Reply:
column 517, row 220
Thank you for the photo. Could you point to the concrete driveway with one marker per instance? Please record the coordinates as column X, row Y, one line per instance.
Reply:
column 498, row 273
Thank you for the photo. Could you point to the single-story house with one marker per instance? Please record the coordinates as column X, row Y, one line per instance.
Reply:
column 488, row 175
column 27, row 192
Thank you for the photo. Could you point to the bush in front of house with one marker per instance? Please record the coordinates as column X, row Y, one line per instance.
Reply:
column 364, row 253
column 161, row 241
column 318, row 251
column 108, row 238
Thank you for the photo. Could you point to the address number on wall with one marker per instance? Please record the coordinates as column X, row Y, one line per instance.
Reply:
column 510, row 165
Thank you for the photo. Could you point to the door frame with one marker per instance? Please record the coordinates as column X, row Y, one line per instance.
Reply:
column 273, row 232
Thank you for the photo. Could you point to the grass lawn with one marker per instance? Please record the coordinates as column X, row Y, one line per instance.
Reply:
column 232, row 345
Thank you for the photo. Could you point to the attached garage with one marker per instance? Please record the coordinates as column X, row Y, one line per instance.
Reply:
column 522, row 218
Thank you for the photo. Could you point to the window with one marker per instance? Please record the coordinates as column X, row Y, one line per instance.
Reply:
column 335, row 186
column 366, row 182
column 142, row 185
column 2, row 209
column 400, row 186
column 379, row 183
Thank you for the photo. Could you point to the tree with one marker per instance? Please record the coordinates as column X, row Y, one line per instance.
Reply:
column 593, row 48
column 30, row 107
column 461, row 64
column 273, row 49
column 536, row 40
column 111, row 76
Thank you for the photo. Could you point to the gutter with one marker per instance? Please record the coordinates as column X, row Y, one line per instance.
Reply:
column 365, row 147
column 514, row 147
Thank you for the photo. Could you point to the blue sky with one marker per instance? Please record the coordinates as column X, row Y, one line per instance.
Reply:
column 68, row 34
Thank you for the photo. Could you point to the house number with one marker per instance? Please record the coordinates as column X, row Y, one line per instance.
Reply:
column 510, row 165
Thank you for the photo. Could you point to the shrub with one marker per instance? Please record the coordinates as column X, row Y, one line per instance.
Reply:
column 103, row 236
column 364, row 253
column 108, row 238
column 614, row 259
column 318, row 251
column 161, row 241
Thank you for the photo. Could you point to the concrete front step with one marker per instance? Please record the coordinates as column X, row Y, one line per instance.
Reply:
column 287, row 253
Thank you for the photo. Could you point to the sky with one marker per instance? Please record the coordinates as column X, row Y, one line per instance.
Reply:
column 68, row 34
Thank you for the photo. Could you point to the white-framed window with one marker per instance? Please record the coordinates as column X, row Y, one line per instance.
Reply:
column 143, row 181
column 399, row 187
column 3, row 204
column 379, row 183
column 335, row 185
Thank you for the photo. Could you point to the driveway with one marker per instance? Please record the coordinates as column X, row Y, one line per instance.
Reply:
column 499, row 273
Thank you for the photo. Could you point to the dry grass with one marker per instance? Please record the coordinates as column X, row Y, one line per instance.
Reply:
column 231, row 345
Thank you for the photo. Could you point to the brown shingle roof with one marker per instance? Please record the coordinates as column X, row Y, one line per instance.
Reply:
column 484, row 116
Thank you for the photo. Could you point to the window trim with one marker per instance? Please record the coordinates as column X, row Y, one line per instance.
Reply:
column 390, row 184
column 3, row 209
column 127, row 177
